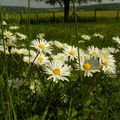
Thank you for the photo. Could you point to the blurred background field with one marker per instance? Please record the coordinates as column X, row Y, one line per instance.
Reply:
column 102, row 12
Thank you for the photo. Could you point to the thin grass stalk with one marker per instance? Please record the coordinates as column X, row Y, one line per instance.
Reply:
column 29, row 67
column 76, row 36
column 12, row 106
column 70, row 110
column 2, row 98
column 7, row 112
column 29, row 28
column 45, row 113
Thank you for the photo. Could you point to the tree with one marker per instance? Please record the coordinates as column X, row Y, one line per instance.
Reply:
column 66, row 4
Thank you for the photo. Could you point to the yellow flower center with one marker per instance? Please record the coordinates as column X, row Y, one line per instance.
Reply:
column 87, row 66
column 57, row 71
column 104, row 55
column 72, row 52
column 40, row 58
column 8, row 35
column 94, row 53
column 42, row 46
column 61, row 57
column 17, row 51
column 26, row 59
column 105, row 62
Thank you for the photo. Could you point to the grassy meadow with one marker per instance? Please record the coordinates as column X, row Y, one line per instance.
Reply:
column 87, row 89
column 58, row 16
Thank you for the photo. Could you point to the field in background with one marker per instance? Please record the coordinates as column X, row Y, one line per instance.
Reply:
column 58, row 17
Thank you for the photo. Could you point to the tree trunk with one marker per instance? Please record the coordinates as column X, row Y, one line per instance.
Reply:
column 66, row 10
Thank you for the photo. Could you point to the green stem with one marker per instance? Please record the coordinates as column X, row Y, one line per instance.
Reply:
column 28, row 30
column 28, row 27
column 76, row 34
column 70, row 110
column 12, row 106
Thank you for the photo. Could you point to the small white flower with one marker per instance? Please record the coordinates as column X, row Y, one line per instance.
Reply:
column 27, row 59
column 93, row 51
column 24, row 51
column 58, row 44
column 85, row 37
column 57, row 70
column 104, row 53
column 59, row 56
column 41, row 45
column 21, row 36
column 4, row 23
column 15, row 50
column 108, row 65
column 33, row 53
column 40, row 36
column 113, row 50
column 98, row 35
column 14, row 27
column 41, row 59
column 116, row 39
column 71, row 52
column 89, row 66
column 7, row 34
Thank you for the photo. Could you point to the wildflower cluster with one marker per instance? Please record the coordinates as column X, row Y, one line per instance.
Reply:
column 59, row 65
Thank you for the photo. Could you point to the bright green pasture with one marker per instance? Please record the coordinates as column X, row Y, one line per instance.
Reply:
column 66, row 32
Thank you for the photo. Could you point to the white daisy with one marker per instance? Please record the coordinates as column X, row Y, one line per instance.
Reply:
column 4, row 23
column 24, row 51
column 85, row 37
column 14, row 27
column 116, row 39
column 21, row 36
column 40, row 36
column 7, row 34
column 59, row 56
column 41, row 59
column 58, row 44
column 108, row 65
column 89, row 66
column 113, row 50
column 93, row 51
column 104, row 53
column 15, row 50
column 27, row 59
column 41, row 45
column 71, row 52
column 33, row 53
column 57, row 70
column 98, row 35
